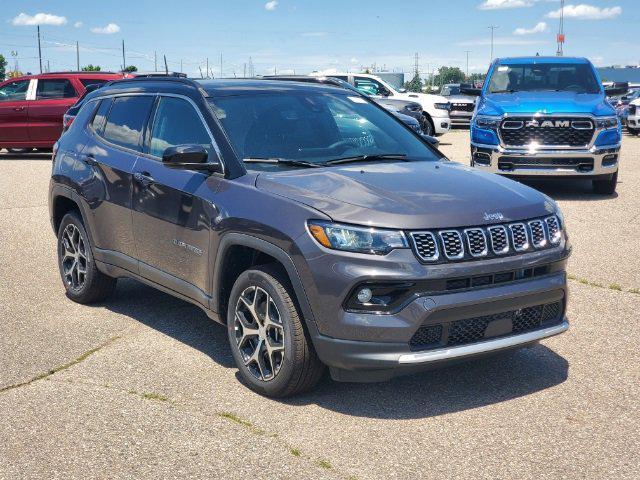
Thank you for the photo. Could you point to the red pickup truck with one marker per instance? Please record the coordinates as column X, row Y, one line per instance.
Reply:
column 32, row 107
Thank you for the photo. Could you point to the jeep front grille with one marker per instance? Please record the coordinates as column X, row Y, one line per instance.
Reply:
column 477, row 329
column 486, row 242
column 547, row 131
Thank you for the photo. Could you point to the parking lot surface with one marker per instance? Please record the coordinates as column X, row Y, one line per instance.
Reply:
column 144, row 385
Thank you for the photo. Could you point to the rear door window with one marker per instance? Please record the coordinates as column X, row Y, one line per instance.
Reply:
column 100, row 117
column 14, row 91
column 55, row 88
column 126, row 121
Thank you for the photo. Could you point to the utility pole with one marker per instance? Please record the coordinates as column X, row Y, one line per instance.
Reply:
column 180, row 65
column 39, row 50
column 561, row 30
column 77, row 56
column 155, row 61
column 48, row 67
column 207, row 69
column 416, row 67
column 492, row 28
column 244, row 74
column 124, row 59
column 467, row 52
column 220, row 64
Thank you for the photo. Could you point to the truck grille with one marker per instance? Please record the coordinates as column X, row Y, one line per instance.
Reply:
column 547, row 131
column 581, row 164
column 486, row 242
column 476, row 329
column 463, row 107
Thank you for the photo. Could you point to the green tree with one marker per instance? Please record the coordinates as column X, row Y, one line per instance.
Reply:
column 91, row 68
column 449, row 75
column 476, row 78
column 414, row 85
column 130, row 68
column 3, row 66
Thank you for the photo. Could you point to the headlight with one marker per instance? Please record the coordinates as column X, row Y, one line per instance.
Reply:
column 357, row 239
column 607, row 122
column 442, row 106
column 484, row 121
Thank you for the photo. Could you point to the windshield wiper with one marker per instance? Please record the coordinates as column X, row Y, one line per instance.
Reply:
column 282, row 161
column 505, row 91
column 368, row 158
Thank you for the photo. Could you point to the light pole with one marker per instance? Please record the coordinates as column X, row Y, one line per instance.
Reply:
column 467, row 52
column 492, row 28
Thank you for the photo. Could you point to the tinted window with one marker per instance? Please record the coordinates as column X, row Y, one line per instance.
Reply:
column 177, row 123
column 449, row 90
column 313, row 126
column 101, row 115
column 369, row 86
column 91, row 81
column 14, row 91
column 126, row 120
column 577, row 78
column 58, row 88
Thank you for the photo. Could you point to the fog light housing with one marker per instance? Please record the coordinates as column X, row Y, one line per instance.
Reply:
column 609, row 160
column 482, row 158
column 378, row 297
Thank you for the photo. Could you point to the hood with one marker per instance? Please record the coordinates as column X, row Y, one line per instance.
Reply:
column 544, row 102
column 418, row 97
column 461, row 99
column 407, row 195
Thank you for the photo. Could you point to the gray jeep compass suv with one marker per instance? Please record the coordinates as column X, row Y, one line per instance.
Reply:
column 310, row 221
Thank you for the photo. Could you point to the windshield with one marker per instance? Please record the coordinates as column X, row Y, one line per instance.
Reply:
column 316, row 127
column 449, row 90
column 578, row 78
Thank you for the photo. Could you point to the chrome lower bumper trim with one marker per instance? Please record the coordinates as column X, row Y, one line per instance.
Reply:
column 483, row 347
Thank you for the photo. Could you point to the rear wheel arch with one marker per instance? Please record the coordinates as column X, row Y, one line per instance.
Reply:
column 238, row 252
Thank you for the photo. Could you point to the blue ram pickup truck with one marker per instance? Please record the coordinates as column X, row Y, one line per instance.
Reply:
column 546, row 116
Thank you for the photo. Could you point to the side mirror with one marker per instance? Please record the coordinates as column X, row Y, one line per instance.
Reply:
column 402, row 90
column 432, row 140
column 190, row 157
column 472, row 92
column 618, row 88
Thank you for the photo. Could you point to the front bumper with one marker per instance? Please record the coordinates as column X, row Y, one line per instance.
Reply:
column 633, row 121
column 591, row 162
column 460, row 117
column 441, row 124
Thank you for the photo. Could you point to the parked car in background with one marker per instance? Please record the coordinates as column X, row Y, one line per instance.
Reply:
column 633, row 117
column 547, row 116
column 311, row 223
column 435, row 108
column 462, row 106
column 32, row 107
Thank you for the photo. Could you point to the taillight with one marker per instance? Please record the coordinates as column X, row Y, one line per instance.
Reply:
column 67, row 120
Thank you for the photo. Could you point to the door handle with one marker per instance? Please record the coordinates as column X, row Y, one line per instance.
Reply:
column 18, row 109
column 143, row 178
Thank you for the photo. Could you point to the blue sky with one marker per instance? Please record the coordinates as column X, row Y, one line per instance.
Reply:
column 306, row 35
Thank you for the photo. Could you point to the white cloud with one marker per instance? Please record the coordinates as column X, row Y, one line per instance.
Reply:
column 78, row 24
column 39, row 19
column 586, row 12
column 501, row 4
column 539, row 28
column 107, row 29
column 271, row 5
column 353, row 60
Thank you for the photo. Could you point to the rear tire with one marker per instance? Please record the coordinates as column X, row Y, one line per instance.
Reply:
column 83, row 282
column 274, row 356
column 606, row 187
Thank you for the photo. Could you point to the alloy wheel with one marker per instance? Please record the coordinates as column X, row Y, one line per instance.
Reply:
column 259, row 333
column 74, row 258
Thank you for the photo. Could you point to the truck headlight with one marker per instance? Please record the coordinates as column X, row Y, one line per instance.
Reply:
column 357, row 239
column 607, row 122
column 485, row 121
column 442, row 106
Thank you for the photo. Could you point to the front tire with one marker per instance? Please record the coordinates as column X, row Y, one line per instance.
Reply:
column 607, row 186
column 268, row 342
column 427, row 126
column 83, row 282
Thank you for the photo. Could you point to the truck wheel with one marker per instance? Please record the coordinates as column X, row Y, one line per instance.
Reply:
column 268, row 342
column 427, row 126
column 83, row 282
column 633, row 131
column 606, row 187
